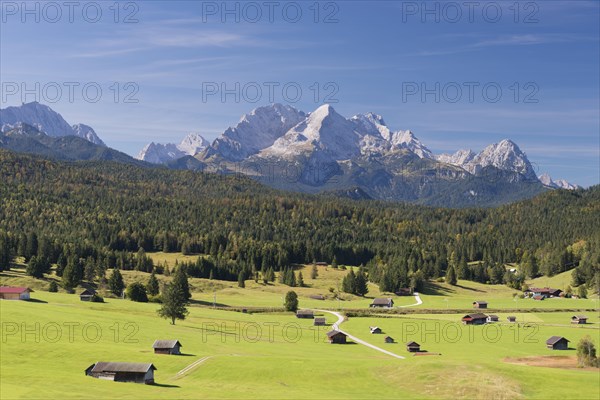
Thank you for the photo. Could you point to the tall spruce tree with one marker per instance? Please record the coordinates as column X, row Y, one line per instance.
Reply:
column 115, row 282
column 152, row 286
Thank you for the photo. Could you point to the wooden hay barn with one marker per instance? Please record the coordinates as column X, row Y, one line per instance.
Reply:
column 167, row 347
column 404, row 292
column 492, row 318
column 389, row 339
column 480, row 304
column 122, row 372
column 375, row 329
column 383, row 302
column 305, row 314
column 319, row 321
column 14, row 293
column 413, row 347
column 336, row 337
column 474, row 319
column 87, row 295
column 579, row 319
column 511, row 318
column 557, row 343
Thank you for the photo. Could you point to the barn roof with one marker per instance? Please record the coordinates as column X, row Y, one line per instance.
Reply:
column 320, row 319
column 555, row 339
column 480, row 302
column 410, row 344
column 579, row 317
column 493, row 316
column 122, row 367
column 88, row 292
column 308, row 312
column 334, row 332
column 475, row 316
column 10, row 289
column 165, row 344
column 382, row 300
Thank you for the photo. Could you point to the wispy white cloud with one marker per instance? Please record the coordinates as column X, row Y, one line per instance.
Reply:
column 483, row 41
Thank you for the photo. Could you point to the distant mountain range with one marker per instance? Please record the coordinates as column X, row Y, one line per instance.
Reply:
column 318, row 152
column 45, row 120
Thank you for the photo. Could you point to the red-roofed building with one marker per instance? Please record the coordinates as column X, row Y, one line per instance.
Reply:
column 14, row 293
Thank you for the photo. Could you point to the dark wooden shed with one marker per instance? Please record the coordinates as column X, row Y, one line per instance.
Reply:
column 413, row 347
column 557, row 343
column 336, row 337
column 122, row 372
column 480, row 304
column 167, row 347
column 474, row 319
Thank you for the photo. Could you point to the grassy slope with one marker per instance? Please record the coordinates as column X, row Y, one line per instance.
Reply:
column 277, row 368
column 560, row 281
column 441, row 295
column 241, row 369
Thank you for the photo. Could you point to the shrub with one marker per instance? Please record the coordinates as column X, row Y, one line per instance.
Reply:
column 155, row 299
column 97, row 299
column 137, row 292
column 53, row 288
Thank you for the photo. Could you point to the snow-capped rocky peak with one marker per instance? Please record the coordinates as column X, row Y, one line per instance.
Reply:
column 407, row 140
column 193, row 144
column 86, row 132
column 557, row 184
column 38, row 115
column 158, row 153
column 324, row 131
column 371, row 124
column 460, row 158
column 505, row 155
column 256, row 131
column 46, row 120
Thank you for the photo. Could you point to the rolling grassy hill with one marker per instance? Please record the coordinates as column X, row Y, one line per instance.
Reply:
column 275, row 355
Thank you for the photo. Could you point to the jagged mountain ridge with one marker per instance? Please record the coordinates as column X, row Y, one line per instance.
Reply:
column 157, row 153
column 24, row 138
column 45, row 120
column 323, row 151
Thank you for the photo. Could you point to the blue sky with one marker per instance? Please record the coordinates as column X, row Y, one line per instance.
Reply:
column 543, row 57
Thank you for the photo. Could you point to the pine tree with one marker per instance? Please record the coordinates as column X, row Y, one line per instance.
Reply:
column 451, row 276
column 314, row 273
column 173, row 306
column 180, row 282
column 349, row 282
column 115, row 283
column 300, row 279
column 152, row 287
column 582, row 292
column 361, row 283
column 5, row 253
column 334, row 263
column 53, row 287
column 37, row 267
column 32, row 246
column 90, row 269
column 241, row 282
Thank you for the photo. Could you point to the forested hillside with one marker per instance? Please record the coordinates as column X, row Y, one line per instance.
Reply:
column 90, row 216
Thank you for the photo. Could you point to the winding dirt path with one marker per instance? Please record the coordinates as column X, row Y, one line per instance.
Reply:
column 336, row 326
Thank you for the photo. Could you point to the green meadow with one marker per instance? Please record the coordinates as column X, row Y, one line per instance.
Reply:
column 47, row 343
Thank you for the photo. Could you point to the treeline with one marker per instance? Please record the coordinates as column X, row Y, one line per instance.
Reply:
column 88, row 217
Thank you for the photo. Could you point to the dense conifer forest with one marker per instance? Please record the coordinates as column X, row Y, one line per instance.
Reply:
column 86, row 217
